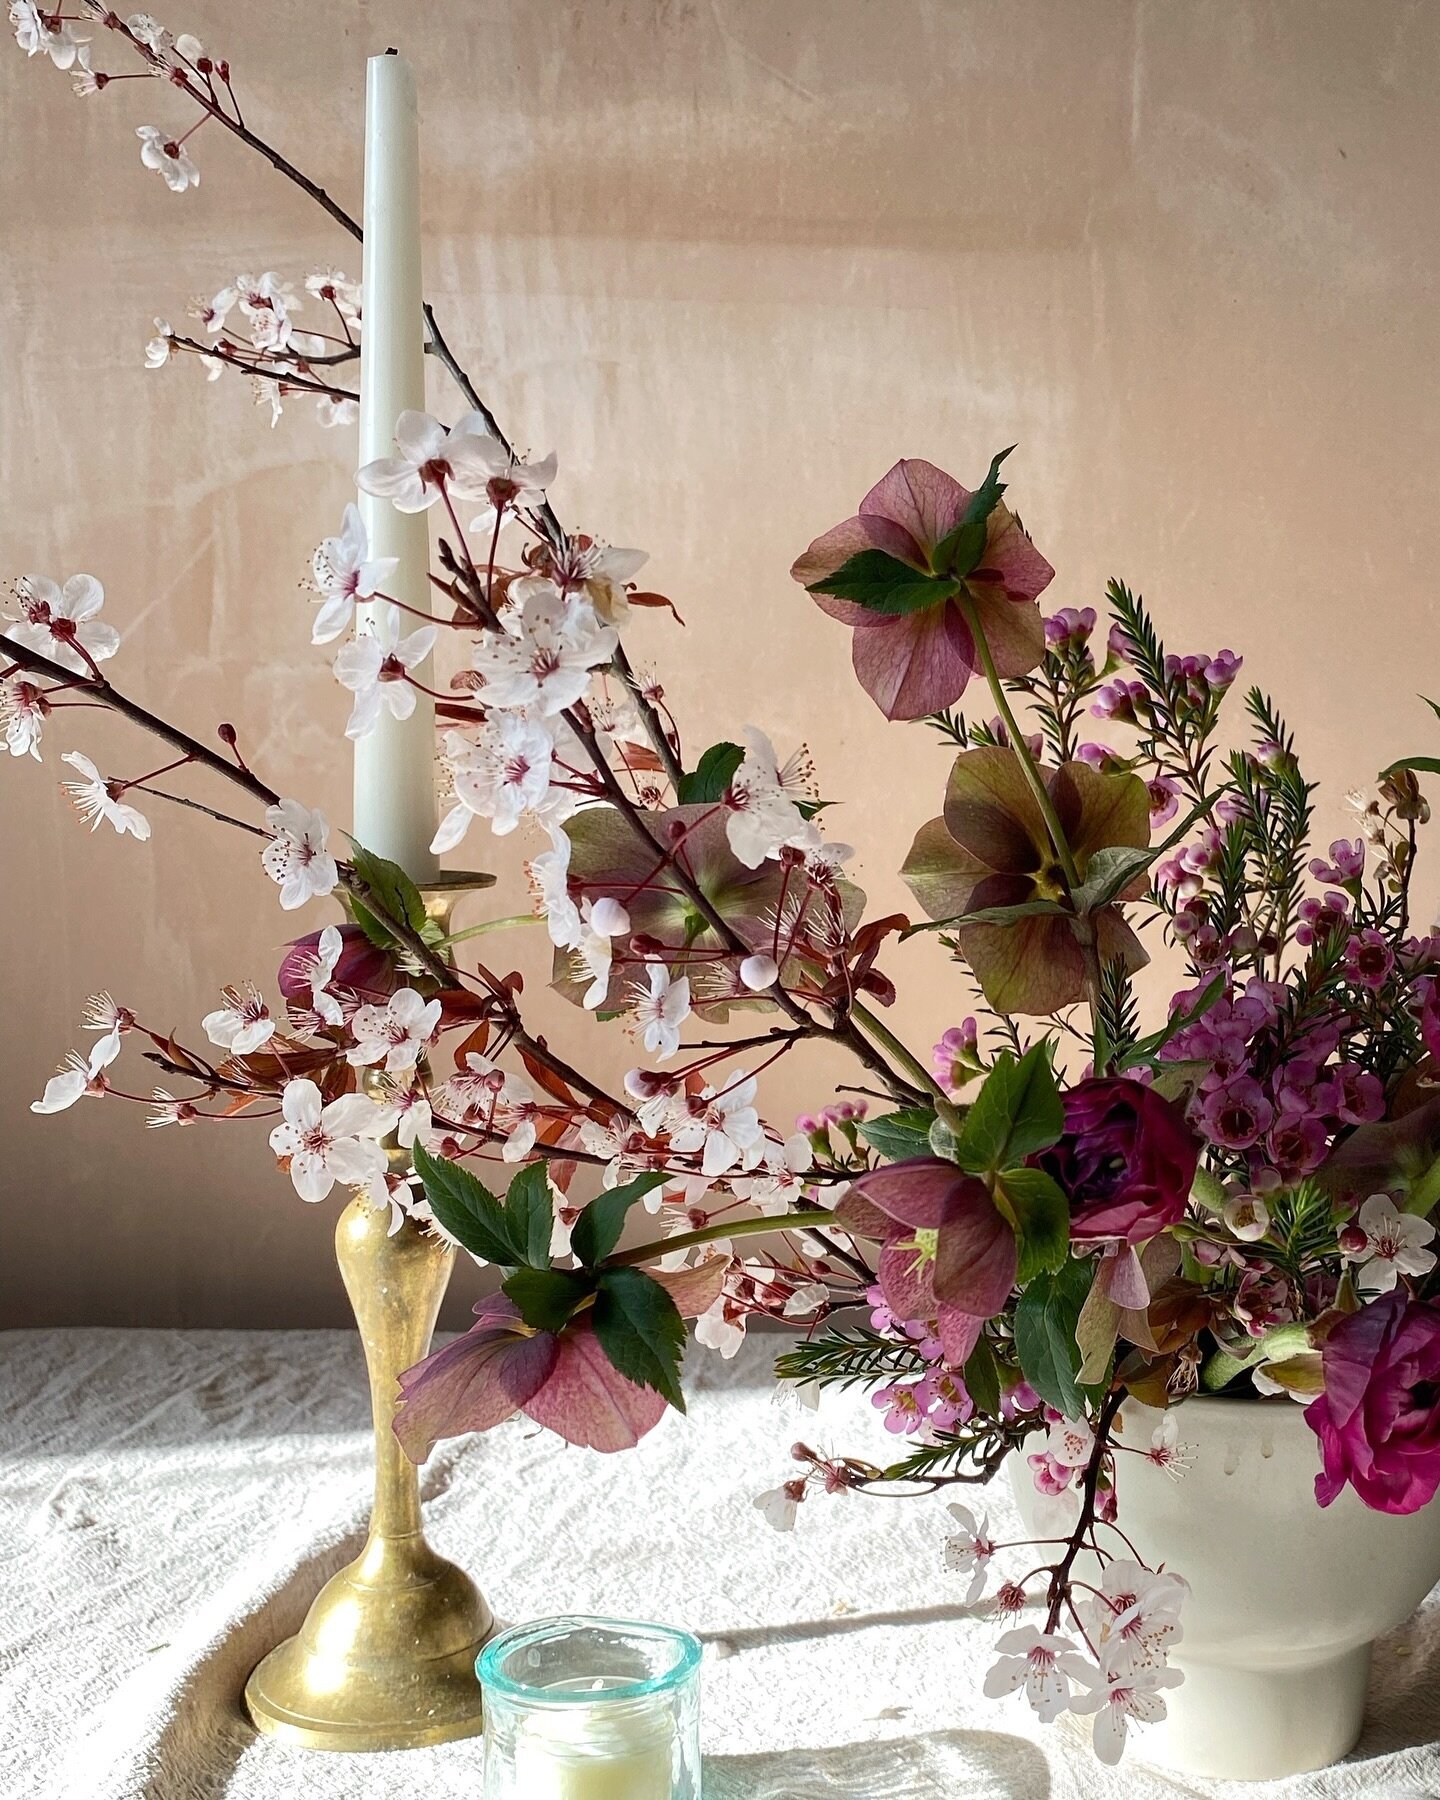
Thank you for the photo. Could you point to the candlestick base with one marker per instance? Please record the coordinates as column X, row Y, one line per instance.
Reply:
column 386, row 1657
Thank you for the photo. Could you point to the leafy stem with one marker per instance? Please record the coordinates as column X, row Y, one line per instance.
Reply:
column 707, row 1234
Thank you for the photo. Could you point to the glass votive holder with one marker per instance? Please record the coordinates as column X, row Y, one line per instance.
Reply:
column 591, row 1709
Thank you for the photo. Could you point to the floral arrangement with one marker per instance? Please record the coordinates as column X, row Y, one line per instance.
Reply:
column 1004, row 1237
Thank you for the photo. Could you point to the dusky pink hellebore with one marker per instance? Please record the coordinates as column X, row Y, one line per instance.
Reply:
column 1126, row 1161
column 947, row 1252
column 991, row 848
column 921, row 557
column 562, row 1380
column 1378, row 1420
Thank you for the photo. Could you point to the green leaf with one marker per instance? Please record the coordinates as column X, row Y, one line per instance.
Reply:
column 1017, row 1112
column 390, row 887
column 1146, row 1049
column 597, row 1230
column 881, row 583
column 1046, row 1317
column 1041, row 1216
column 640, row 1329
column 1109, row 870
column 982, row 1379
column 1420, row 765
column 546, row 1298
column 960, row 550
column 468, row 1211
column 711, row 777
column 902, row 1134
column 530, row 1216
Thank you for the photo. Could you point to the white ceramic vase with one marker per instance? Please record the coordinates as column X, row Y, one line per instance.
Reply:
column 1287, row 1598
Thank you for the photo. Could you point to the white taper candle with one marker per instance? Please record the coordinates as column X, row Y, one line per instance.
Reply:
column 394, row 763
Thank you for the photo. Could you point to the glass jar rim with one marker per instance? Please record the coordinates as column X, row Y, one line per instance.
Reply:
column 488, row 1665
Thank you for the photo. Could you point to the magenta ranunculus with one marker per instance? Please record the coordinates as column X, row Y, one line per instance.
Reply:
column 1126, row 1160
column 1378, row 1420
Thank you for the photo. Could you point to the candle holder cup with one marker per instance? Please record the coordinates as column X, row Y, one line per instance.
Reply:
column 591, row 1709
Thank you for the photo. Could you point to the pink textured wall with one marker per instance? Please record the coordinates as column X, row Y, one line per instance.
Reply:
column 730, row 260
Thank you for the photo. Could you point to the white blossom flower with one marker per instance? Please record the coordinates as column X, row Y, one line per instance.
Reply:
column 320, row 971
column 1394, row 1246
column 485, row 1098
column 600, row 921
column 1116, row 1697
column 329, row 1143
column 345, row 572
column 778, row 1506
column 786, row 1166
column 1043, row 1663
column 374, row 666
column 296, row 856
column 763, row 812
column 37, row 35
column 167, row 158
column 243, row 1024
column 55, row 620
column 23, row 707
column 501, row 776
column 549, row 875
column 150, row 32
column 660, row 1011
column 159, row 349
column 394, row 1033
column 1133, row 1621
column 541, row 661
column 267, row 303
column 93, row 799
column 603, row 570
column 332, row 412
column 968, row 1550
column 721, row 1327
column 1070, row 1443
column 414, row 1123
column 432, row 461
column 1166, row 1451
column 79, row 1075
column 512, row 483
column 338, row 290
column 168, row 1109
column 724, row 1126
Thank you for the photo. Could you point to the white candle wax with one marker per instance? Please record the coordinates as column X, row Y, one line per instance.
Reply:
column 621, row 1751
column 394, row 763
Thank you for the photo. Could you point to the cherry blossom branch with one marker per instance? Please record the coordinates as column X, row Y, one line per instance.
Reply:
column 1084, row 1529
column 265, row 371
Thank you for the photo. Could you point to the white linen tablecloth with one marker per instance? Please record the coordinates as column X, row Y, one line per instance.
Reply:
column 170, row 1502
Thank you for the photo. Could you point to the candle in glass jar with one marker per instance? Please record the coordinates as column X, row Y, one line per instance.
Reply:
column 609, row 1751
column 395, row 762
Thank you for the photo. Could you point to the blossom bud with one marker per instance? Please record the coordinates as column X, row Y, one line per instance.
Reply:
column 226, row 734
column 759, row 973
column 803, row 1453
column 1353, row 1241
column 609, row 918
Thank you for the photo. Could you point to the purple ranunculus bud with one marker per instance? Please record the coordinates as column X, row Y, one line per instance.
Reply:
column 1126, row 1161
column 361, row 967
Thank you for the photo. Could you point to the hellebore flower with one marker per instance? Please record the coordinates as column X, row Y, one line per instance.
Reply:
column 914, row 649
column 562, row 1380
column 1126, row 1161
column 1378, row 1420
column 991, row 849
column 610, row 859
column 947, row 1253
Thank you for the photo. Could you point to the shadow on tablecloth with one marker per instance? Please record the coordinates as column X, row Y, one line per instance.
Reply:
column 938, row 1765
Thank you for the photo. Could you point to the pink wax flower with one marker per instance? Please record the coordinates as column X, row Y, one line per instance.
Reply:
column 1236, row 1115
column 1368, row 959
column 955, row 1058
column 1347, row 863
column 1069, row 627
column 1378, row 1420
column 1320, row 919
column 1126, row 1161
column 1164, row 799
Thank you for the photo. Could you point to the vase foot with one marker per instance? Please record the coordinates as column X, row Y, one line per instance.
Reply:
column 385, row 1659
column 1254, row 1724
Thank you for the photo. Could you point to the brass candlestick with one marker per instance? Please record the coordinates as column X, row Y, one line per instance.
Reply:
column 386, row 1657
